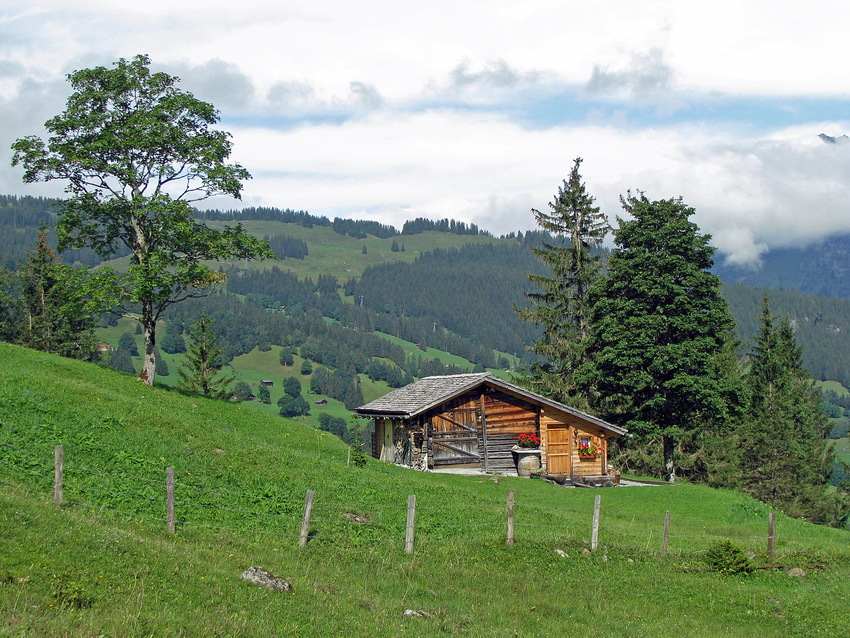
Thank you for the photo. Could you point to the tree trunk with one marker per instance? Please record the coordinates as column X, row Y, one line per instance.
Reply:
column 148, row 373
column 669, row 470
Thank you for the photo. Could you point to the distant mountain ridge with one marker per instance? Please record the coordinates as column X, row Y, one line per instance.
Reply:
column 818, row 269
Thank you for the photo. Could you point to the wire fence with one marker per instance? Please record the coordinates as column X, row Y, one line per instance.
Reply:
column 193, row 502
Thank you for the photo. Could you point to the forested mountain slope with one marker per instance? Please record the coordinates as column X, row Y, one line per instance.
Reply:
column 453, row 287
column 471, row 291
column 821, row 325
column 819, row 269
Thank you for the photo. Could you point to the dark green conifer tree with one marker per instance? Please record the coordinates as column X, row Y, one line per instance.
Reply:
column 560, row 307
column 203, row 362
column 9, row 305
column 658, row 330
column 786, row 458
column 122, row 361
column 286, row 357
column 161, row 366
column 128, row 343
column 58, row 307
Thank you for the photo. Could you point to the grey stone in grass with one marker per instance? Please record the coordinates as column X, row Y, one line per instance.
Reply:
column 417, row 613
column 264, row 578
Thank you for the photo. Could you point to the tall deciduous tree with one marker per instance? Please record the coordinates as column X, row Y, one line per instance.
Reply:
column 560, row 307
column 136, row 152
column 203, row 362
column 785, row 458
column 658, row 327
column 264, row 394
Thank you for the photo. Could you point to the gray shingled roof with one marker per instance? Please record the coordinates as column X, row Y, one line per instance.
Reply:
column 429, row 392
column 421, row 395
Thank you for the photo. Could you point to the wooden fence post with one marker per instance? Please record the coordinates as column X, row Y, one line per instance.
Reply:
column 771, row 537
column 509, row 538
column 169, row 499
column 411, row 523
column 58, row 462
column 594, row 535
column 305, row 523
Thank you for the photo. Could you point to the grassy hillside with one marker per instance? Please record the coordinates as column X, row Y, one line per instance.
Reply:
column 103, row 564
column 342, row 256
column 257, row 365
column 331, row 253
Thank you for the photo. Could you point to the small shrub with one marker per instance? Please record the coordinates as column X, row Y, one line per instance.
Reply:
column 728, row 558
column 71, row 592
column 358, row 453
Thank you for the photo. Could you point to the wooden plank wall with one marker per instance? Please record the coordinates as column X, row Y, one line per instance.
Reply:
column 578, row 429
column 507, row 417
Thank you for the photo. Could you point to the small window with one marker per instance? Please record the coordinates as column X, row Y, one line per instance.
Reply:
column 587, row 448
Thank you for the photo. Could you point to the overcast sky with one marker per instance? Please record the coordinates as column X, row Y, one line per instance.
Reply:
column 391, row 110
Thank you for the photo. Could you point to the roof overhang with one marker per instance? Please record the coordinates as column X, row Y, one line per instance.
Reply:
column 489, row 380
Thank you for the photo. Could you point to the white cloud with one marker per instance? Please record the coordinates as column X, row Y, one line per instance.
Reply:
column 396, row 110
column 788, row 189
column 646, row 77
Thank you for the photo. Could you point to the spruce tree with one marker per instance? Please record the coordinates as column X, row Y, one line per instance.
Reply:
column 9, row 305
column 161, row 366
column 58, row 312
column 560, row 307
column 128, row 343
column 658, row 330
column 122, row 361
column 286, row 356
column 786, row 459
column 203, row 361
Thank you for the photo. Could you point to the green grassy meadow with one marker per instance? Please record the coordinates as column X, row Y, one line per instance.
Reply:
column 103, row 564
column 842, row 449
column 835, row 386
column 342, row 256
column 256, row 366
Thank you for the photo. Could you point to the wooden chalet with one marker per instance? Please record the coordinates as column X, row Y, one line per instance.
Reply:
column 473, row 421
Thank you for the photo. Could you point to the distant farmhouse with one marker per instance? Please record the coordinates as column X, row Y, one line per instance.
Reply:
column 474, row 421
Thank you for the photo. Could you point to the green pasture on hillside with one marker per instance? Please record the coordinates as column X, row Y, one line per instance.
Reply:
column 341, row 255
column 835, row 386
column 104, row 565
column 842, row 449
column 252, row 368
column 256, row 366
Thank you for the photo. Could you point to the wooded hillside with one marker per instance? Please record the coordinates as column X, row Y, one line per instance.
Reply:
column 460, row 300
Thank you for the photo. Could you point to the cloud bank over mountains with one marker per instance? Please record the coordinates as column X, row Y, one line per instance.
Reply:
column 476, row 110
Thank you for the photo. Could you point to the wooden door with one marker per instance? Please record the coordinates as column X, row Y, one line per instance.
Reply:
column 384, row 440
column 558, row 450
column 454, row 438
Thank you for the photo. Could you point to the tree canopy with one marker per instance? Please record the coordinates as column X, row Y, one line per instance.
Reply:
column 786, row 459
column 658, row 326
column 203, row 362
column 57, row 305
column 136, row 152
column 559, row 306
